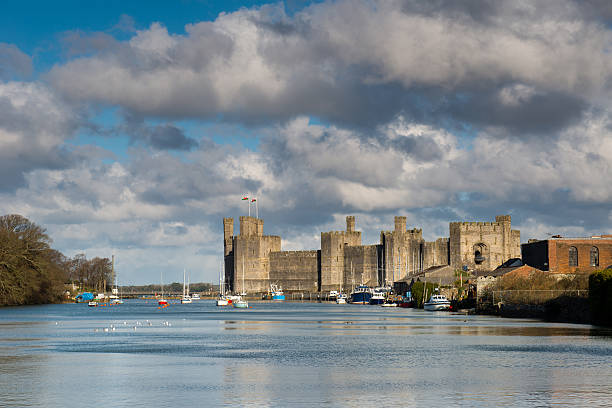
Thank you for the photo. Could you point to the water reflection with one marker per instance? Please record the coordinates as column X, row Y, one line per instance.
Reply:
column 295, row 354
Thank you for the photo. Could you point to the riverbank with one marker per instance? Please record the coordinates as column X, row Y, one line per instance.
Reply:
column 564, row 309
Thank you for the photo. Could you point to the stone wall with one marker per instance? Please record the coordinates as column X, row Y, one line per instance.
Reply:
column 295, row 270
column 436, row 253
column 360, row 266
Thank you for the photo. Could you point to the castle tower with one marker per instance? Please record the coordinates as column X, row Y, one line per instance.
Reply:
column 333, row 265
column 483, row 245
column 251, row 256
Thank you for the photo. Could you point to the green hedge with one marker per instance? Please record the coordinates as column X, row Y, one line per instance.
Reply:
column 600, row 297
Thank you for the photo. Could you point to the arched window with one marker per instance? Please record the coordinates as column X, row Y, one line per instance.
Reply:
column 573, row 256
column 594, row 256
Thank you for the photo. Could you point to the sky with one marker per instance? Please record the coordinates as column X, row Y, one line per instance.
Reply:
column 133, row 128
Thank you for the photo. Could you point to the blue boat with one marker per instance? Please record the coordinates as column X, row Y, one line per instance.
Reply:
column 277, row 292
column 378, row 298
column 361, row 295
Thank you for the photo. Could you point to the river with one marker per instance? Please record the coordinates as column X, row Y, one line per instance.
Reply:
column 294, row 354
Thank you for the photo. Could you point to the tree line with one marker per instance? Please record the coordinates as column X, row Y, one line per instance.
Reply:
column 31, row 272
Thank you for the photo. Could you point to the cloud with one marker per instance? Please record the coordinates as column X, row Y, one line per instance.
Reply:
column 34, row 123
column 13, row 62
column 360, row 63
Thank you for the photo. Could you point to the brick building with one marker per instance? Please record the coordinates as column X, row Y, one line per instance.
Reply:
column 569, row 255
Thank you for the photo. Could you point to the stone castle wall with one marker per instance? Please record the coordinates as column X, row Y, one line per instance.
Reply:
column 295, row 270
column 254, row 260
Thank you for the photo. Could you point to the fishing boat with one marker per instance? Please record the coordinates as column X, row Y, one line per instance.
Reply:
column 162, row 301
column 277, row 292
column 333, row 295
column 341, row 298
column 361, row 295
column 407, row 301
column 378, row 298
column 437, row 302
column 186, row 298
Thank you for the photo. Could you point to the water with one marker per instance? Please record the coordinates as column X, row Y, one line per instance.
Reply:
column 302, row 354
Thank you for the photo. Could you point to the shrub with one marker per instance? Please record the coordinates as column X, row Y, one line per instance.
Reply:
column 600, row 297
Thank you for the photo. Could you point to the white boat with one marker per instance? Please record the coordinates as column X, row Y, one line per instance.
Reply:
column 341, row 298
column 115, row 297
column 186, row 298
column 195, row 296
column 437, row 302
column 92, row 303
column 162, row 301
column 241, row 304
column 333, row 295
column 223, row 299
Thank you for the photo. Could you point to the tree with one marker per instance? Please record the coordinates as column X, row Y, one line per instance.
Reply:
column 30, row 270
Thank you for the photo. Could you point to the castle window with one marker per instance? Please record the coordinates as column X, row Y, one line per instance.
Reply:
column 594, row 256
column 478, row 258
column 573, row 256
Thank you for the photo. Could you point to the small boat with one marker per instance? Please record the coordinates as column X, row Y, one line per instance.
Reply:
column 341, row 299
column 240, row 304
column 389, row 304
column 277, row 292
column 378, row 298
column 222, row 301
column 162, row 301
column 437, row 302
column 333, row 295
column 361, row 295
column 92, row 304
column 186, row 298
column 195, row 296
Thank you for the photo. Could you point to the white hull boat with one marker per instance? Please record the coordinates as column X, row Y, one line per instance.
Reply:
column 437, row 302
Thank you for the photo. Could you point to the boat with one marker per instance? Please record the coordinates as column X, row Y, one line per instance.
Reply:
column 195, row 296
column 341, row 299
column 407, row 301
column 361, row 295
column 92, row 303
column 378, row 298
column 389, row 304
column 437, row 302
column 162, row 301
column 115, row 298
column 333, row 295
column 240, row 304
column 277, row 292
column 186, row 298
column 222, row 300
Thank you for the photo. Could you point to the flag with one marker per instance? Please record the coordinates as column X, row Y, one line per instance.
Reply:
column 245, row 198
column 253, row 199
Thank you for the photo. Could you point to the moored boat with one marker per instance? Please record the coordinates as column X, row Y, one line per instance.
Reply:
column 378, row 298
column 240, row 304
column 341, row 298
column 333, row 295
column 361, row 295
column 277, row 292
column 437, row 302
column 195, row 296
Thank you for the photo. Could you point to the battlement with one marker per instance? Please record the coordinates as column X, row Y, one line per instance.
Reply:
column 251, row 226
column 290, row 254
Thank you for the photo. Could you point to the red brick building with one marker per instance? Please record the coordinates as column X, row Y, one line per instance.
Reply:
column 569, row 255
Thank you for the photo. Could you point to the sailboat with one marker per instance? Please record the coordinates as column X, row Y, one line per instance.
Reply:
column 186, row 298
column 114, row 297
column 222, row 300
column 162, row 301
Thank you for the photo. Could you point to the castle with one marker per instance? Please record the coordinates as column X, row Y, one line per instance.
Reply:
column 253, row 260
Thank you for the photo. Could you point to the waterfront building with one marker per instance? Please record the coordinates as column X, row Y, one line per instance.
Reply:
column 569, row 255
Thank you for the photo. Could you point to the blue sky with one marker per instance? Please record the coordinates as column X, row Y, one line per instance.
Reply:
column 122, row 131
